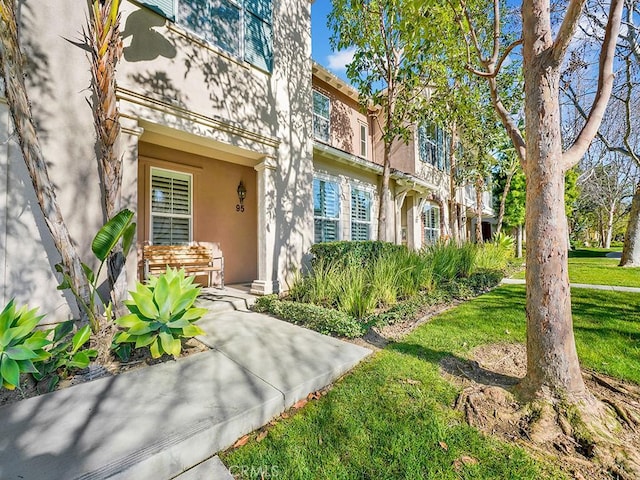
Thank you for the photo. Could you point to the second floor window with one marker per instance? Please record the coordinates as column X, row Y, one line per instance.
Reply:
column 326, row 210
column 364, row 135
column 433, row 146
column 321, row 122
column 239, row 27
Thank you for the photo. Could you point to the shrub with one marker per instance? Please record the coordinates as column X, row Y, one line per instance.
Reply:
column 505, row 242
column 358, row 252
column 20, row 343
column 162, row 314
column 356, row 297
column 476, row 284
column 66, row 354
column 320, row 319
column 409, row 308
column 384, row 280
column 481, row 281
column 492, row 256
column 321, row 286
column 450, row 261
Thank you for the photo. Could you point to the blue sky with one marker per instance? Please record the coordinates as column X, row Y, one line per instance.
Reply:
column 320, row 49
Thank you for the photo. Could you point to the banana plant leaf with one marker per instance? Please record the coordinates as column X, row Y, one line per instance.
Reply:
column 112, row 231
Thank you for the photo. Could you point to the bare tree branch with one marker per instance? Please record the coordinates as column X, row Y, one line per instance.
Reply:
column 506, row 53
column 567, row 29
column 605, row 84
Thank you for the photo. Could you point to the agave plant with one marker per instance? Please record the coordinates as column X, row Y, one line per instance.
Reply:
column 66, row 354
column 20, row 343
column 162, row 313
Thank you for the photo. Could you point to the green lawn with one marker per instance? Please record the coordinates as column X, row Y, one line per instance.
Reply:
column 591, row 266
column 386, row 420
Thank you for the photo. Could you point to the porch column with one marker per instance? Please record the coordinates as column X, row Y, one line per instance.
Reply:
column 414, row 223
column 399, row 200
column 129, row 137
column 267, row 281
column 5, row 132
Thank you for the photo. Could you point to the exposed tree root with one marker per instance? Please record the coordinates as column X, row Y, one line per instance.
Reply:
column 595, row 438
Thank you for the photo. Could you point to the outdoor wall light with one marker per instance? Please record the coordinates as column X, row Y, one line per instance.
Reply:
column 242, row 194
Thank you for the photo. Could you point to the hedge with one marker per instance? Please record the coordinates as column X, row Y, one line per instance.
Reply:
column 320, row 319
column 362, row 252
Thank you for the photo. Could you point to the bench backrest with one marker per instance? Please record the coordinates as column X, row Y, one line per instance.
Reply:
column 159, row 256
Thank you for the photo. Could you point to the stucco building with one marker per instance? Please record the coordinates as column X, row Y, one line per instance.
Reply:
column 211, row 95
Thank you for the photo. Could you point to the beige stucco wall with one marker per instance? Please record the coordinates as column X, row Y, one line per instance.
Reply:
column 346, row 117
column 174, row 91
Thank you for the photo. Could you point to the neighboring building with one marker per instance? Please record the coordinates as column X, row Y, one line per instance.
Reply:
column 211, row 94
column 347, row 160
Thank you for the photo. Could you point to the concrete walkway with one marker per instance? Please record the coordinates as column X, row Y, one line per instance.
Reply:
column 613, row 288
column 168, row 420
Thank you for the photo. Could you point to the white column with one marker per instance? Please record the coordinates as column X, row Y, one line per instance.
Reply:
column 399, row 200
column 414, row 223
column 267, row 281
column 129, row 138
column 5, row 131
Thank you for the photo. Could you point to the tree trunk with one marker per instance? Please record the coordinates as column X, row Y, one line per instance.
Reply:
column 453, row 187
column 106, row 50
column 503, row 200
column 519, row 242
column 385, row 195
column 479, row 184
column 11, row 59
column 631, row 249
column 609, row 232
column 553, row 370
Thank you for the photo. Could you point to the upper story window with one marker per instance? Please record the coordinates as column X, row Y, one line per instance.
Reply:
column 171, row 207
column 433, row 146
column 360, row 214
column 321, row 122
column 239, row 27
column 364, row 135
column 326, row 210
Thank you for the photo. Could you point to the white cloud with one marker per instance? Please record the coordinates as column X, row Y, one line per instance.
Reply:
column 338, row 61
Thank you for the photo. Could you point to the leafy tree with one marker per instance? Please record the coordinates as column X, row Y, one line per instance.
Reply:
column 553, row 378
column 389, row 69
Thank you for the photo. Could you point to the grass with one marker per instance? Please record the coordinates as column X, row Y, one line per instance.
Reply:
column 387, row 418
column 591, row 266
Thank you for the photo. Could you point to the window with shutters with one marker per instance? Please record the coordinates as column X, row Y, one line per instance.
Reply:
column 364, row 135
column 242, row 28
column 433, row 146
column 326, row 210
column 321, row 119
column 360, row 214
column 171, row 207
column 430, row 224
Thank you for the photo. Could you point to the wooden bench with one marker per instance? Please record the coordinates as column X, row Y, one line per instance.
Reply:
column 199, row 259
